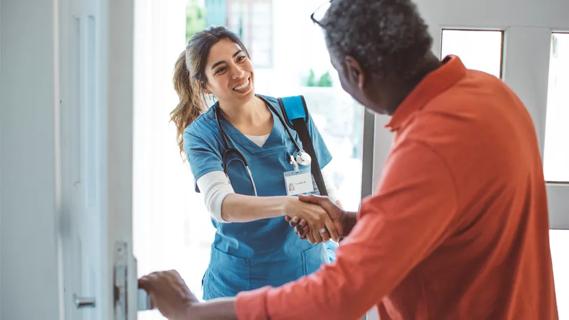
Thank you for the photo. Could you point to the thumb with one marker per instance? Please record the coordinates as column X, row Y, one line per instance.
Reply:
column 311, row 198
column 322, row 201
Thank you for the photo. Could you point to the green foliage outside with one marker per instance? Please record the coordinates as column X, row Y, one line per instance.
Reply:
column 195, row 18
column 325, row 80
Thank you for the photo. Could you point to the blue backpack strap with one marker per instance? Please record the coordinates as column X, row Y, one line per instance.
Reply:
column 296, row 115
column 294, row 107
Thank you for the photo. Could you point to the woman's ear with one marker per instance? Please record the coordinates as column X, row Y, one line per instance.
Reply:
column 205, row 88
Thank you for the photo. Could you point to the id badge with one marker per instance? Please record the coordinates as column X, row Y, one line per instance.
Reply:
column 298, row 182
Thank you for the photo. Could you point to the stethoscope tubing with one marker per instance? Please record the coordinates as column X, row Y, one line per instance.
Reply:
column 218, row 115
column 228, row 150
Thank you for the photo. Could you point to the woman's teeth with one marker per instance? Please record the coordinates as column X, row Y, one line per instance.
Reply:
column 242, row 87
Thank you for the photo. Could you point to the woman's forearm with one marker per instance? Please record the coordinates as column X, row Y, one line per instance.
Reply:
column 241, row 208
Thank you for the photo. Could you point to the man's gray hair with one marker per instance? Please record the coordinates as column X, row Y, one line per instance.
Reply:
column 385, row 36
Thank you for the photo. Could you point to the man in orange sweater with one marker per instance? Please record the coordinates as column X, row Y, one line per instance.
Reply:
column 457, row 228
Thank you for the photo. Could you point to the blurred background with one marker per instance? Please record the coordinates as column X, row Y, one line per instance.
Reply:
column 172, row 229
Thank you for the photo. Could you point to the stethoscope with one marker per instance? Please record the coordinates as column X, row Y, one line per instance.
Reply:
column 299, row 158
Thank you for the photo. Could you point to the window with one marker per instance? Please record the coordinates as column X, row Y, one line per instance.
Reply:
column 559, row 240
column 340, row 122
column 478, row 49
column 252, row 21
column 556, row 157
column 556, row 153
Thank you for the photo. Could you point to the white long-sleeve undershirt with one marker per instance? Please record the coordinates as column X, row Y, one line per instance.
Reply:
column 215, row 185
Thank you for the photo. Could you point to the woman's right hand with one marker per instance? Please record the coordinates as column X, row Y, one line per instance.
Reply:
column 321, row 226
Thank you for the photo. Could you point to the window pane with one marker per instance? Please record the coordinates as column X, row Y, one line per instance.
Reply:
column 252, row 21
column 340, row 121
column 559, row 242
column 478, row 49
column 556, row 154
column 308, row 71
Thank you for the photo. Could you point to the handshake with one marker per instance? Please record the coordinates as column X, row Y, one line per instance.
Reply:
column 317, row 218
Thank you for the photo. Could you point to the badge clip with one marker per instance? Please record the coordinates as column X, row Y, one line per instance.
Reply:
column 293, row 162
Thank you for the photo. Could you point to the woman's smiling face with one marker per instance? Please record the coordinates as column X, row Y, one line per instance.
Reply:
column 229, row 72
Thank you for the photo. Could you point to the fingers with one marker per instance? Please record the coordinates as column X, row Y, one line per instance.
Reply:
column 326, row 227
column 333, row 210
column 321, row 226
column 154, row 283
column 143, row 282
column 314, row 236
column 300, row 226
column 332, row 230
column 310, row 213
column 294, row 221
column 147, row 282
column 169, row 294
column 317, row 235
column 324, row 234
column 302, row 231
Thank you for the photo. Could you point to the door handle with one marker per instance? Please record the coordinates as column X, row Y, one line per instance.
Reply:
column 83, row 302
column 144, row 302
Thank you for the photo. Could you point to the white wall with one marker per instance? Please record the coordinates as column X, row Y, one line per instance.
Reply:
column 28, row 255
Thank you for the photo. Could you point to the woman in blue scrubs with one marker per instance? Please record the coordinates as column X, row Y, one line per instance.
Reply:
column 244, row 157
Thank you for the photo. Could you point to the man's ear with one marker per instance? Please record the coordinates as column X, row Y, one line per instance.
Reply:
column 354, row 71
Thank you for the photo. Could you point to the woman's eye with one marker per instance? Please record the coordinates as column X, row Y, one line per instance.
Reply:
column 220, row 71
column 240, row 58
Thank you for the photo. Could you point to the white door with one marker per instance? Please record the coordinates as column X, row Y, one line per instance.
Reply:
column 523, row 61
column 95, row 158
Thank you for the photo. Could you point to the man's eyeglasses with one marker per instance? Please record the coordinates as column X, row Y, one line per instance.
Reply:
column 320, row 12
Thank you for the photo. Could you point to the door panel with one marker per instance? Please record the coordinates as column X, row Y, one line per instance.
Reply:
column 95, row 75
column 79, row 120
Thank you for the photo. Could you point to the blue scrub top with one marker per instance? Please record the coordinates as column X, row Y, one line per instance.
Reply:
column 250, row 255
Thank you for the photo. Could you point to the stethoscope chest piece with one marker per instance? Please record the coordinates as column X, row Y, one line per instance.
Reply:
column 302, row 158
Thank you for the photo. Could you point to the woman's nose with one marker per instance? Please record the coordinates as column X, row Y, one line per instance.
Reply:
column 237, row 72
